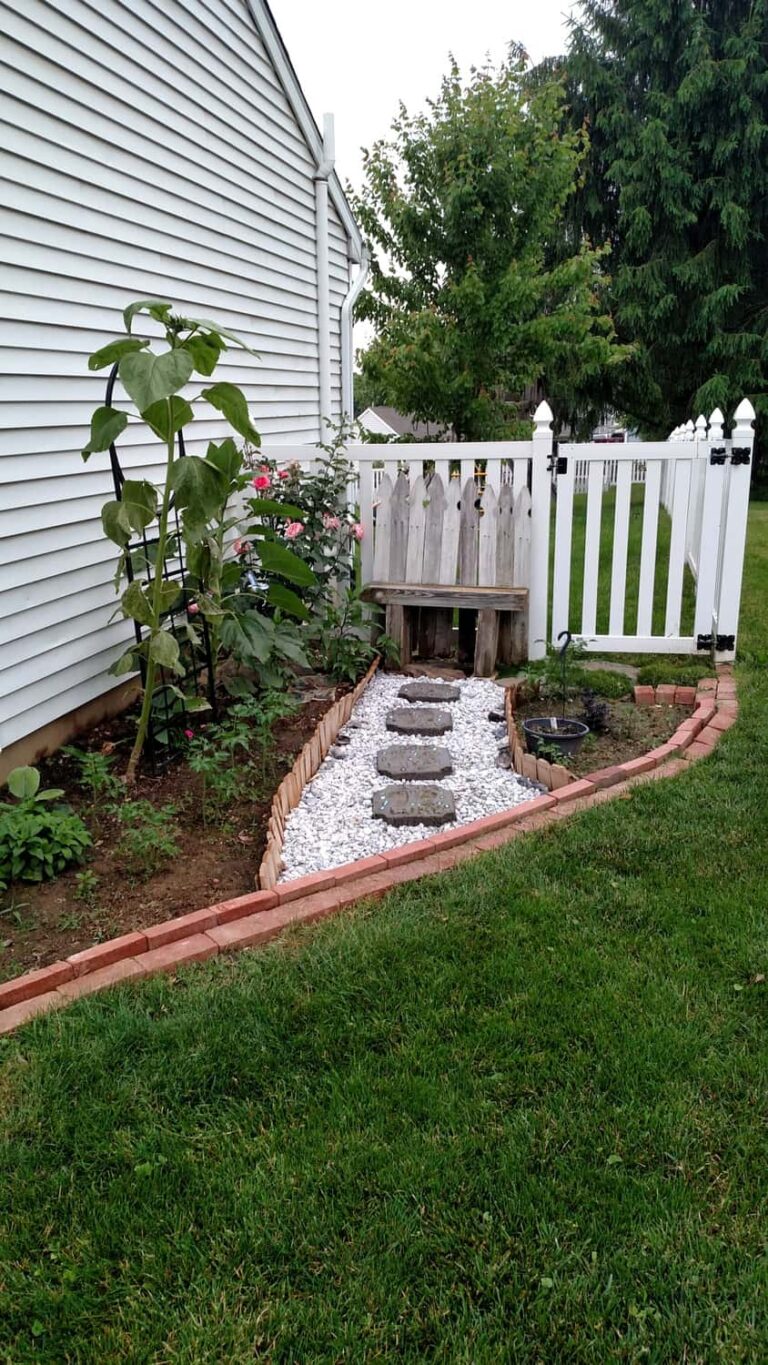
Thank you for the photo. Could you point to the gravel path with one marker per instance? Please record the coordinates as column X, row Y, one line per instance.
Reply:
column 333, row 823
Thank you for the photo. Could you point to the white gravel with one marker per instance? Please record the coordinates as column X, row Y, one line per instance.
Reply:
column 333, row 823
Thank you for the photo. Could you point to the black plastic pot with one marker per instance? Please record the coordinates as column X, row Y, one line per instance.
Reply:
column 568, row 735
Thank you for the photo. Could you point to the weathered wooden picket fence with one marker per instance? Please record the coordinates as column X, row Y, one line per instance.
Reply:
column 700, row 483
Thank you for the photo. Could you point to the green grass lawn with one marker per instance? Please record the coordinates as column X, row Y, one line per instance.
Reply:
column 514, row 1113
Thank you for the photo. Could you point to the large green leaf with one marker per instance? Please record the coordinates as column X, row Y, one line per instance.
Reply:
column 226, row 457
column 205, row 349
column 157, row 416
column 291, row 649
column 106, row 426
column 164, row 649
column 198, row 487
column 136, row 604
column 248, row 637
column 115, row 350
column 127, row 663
column 140, row 502
column 268, row 507
column 277, row 559
column 208, row 326
column 286, row 600
column 168, row 594
column 116, row 523
column 230, row 400
column 148, row 377
column 159, row 309
column 23, row 783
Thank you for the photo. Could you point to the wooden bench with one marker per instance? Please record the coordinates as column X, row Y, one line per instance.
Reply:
column 438, row 549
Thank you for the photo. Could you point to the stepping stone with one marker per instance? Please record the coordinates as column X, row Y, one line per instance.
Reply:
column 429, row 691
column 427, row 720
column 411, row 762
column 422, row 805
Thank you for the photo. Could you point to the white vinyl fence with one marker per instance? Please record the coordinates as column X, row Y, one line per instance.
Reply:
column 698, row 479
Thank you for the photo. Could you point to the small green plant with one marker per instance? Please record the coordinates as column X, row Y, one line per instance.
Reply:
column 86, row 886
column 263, row 714
column 94, row 773
column 551, row 752
column 38, row 839
column 149, row 835
column 221, row 780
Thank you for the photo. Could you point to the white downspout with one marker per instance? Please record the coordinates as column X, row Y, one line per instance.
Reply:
column 347, row 325
column 323, row 276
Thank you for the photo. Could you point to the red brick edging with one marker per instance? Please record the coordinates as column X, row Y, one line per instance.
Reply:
column 254, row 919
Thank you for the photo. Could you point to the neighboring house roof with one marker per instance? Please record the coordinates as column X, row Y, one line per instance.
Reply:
column 386, row 421
column 270, row 34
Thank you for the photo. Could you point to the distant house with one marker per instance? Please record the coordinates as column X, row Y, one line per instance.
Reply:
column 385, row 421
column 162, row 150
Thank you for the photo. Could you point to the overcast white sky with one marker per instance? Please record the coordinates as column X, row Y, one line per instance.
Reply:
column 357, row 60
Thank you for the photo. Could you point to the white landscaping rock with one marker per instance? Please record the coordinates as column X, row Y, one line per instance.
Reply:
column 333, row 823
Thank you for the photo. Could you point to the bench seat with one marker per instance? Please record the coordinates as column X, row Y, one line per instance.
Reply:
column 442, row 595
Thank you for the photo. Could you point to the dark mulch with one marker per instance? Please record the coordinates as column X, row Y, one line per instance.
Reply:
column 632, row 731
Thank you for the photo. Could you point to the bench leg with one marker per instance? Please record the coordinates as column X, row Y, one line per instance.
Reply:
column 486, row 642
column 398, row 628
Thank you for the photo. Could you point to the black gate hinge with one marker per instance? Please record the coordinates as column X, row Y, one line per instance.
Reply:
column 717, row 455
column 721, row 642
column 558, row 464
column 740, row 454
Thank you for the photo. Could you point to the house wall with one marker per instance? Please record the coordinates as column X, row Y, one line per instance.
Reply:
column 147, row 149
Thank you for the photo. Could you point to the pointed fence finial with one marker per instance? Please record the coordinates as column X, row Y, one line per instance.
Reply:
column 716, row 425
column 689, row 430
column 542, row 418
column 744, row 415
column 701, row 425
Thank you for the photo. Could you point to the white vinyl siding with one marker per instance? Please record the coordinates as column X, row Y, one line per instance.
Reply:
column 146, row 150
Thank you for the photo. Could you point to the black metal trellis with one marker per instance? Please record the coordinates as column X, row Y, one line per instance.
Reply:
column 169, row 718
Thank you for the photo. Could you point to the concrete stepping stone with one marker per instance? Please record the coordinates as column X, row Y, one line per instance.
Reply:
column 414, row 762
column 429, row 691
column 427, row 720
column 414, row 805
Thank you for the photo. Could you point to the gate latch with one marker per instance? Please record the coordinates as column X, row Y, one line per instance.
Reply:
column 717, row 455
column 740, row 454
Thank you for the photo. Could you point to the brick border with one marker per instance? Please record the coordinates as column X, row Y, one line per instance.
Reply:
column 254, row 919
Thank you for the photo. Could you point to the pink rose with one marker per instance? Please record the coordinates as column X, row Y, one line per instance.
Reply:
column 261, row 481
column 294, row 529
column 193, row 608
column 189, row 734
column 283, row 473
column 331, row 523
column 241, row 547
column 358, row 530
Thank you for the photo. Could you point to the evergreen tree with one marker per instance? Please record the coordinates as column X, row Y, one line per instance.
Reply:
column 461, row 209
column 675, row 96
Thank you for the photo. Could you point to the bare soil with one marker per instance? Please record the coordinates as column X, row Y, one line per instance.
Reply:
column 40, row 924
column 632, row 731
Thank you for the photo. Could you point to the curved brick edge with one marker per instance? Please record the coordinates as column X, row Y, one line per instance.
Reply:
column 257, row 918
column 288, row 794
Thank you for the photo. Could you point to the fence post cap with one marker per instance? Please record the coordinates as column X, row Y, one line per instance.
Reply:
column 716, row 416
column 543, row 416
column 745, row 412
column 701, row 422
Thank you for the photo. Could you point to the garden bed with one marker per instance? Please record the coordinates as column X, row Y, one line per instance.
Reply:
column 115, row 892
column 631, row 730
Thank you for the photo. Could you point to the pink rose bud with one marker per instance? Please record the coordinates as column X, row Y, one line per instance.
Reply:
column 241, row 547
column 331, row 523
column 193, row 608
column 261, row 481
column 189, row 734
column 294, row 529
column 283, row 473
column 358, row 530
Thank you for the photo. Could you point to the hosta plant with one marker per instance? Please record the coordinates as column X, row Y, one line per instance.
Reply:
column 38, row 836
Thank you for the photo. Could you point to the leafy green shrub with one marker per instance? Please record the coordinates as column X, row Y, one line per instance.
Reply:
column 149, row 836
column 37, row 839
column 683, row 672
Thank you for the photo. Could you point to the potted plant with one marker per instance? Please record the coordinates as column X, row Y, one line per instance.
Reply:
column 566, row 734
